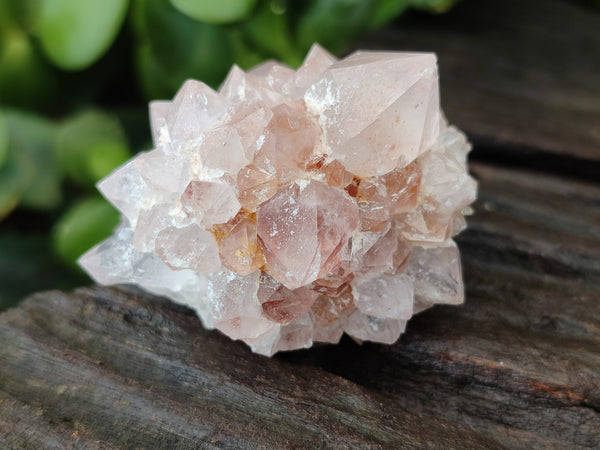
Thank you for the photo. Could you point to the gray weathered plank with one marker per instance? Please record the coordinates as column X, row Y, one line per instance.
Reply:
column 117, row 367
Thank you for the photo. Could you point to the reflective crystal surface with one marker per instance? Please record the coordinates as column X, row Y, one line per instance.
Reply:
column 290, row 207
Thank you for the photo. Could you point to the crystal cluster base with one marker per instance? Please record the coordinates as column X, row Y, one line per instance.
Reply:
column 291, row 206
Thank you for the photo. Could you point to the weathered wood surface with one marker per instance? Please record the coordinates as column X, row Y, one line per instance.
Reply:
column 517, row 366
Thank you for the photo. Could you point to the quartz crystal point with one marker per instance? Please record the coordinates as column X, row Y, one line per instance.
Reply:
column 291, row 206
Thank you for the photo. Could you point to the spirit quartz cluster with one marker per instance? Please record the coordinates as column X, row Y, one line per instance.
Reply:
column 291, row 206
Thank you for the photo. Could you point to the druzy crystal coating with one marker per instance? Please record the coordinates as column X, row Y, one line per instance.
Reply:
column 291, row 206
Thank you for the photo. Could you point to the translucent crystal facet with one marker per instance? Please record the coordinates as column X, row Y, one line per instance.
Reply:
column 290, row 206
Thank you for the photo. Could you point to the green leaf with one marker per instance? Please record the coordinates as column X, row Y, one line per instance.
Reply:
column 438, row 6
column 174, row 48
column 244, row 55
column 21, row 13
column 269, row 31
column 25, row 78
column 153, row 77
column 385, row 11
column 31, row 139
column 222, row 11
column 333, row 23
column 3, row 140
column 17, row 174
column 104, row 157
column 76, row 33
column 89, row 146
column 83, row 226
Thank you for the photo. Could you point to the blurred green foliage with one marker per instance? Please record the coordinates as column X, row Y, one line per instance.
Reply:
column 228, row 11
column 75, row 33
column 78, row 229
column 75, row 78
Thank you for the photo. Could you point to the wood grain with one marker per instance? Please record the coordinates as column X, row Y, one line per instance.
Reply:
column 120, row 368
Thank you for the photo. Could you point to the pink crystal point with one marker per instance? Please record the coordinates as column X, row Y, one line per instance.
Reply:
column 399, row 99
column 303, row 230
column 238, row 245
column 292, row 206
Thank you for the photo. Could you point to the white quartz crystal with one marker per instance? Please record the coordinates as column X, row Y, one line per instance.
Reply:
column 292, row 206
